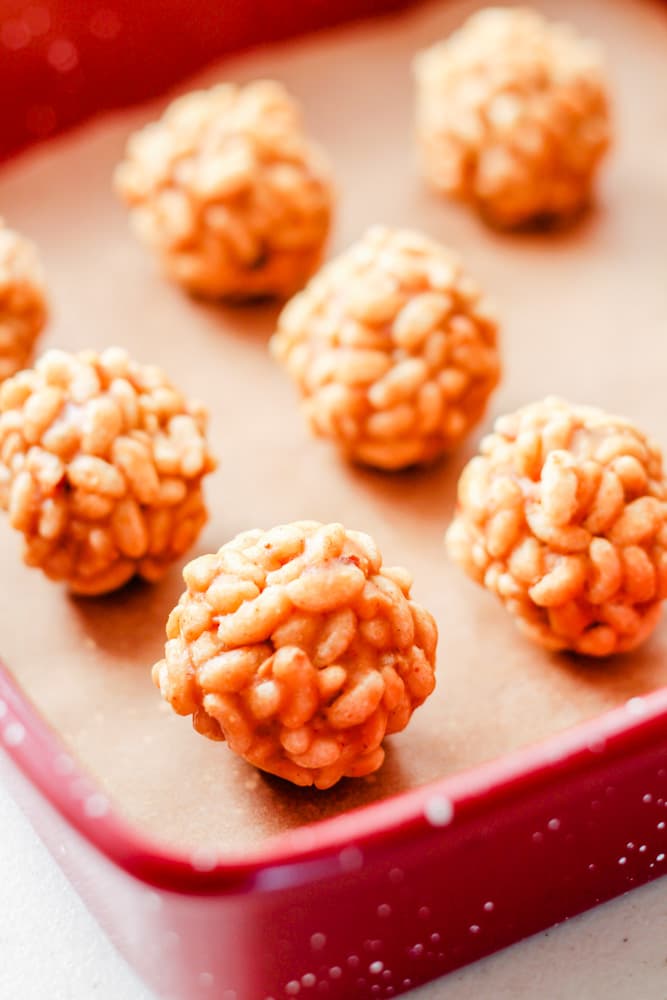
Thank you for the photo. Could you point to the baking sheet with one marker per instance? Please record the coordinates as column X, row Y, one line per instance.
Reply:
column 584, row 315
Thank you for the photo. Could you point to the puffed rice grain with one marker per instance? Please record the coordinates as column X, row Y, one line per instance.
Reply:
column 392, row 348
column 101, row 463
column 229, row 192
column 563, row 515
column 298, row 648
column 513, row 116
column 23, row 307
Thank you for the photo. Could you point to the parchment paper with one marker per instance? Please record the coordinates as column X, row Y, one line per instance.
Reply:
column 584, row 315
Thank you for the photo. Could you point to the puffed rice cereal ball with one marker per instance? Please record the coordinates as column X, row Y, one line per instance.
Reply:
column 101, row 462
column 563, row 516
column 513, row 116
column 392, row 348
column 23, row 307
column 300, row 649
column 229, row 192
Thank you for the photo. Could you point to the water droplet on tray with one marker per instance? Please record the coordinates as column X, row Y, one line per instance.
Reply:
column 439, row 810
column 351, row 859
column 96, row 805
column 13, row 734
column 204, row 860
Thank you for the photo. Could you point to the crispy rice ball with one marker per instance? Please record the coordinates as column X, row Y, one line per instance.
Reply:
column 392, row 348
column 513, row 116
column 298, row 647
column 229, row 192
column 23, row 307
column 101, row 462
column 563, row 516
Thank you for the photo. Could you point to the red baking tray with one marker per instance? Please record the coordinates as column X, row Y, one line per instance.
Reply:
column 377, row 900
column 380, row 899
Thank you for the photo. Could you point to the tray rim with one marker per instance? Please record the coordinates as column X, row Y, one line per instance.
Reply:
column 313, row 851
column 620, row 733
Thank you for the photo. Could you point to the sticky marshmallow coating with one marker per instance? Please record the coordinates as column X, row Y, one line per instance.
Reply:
column 101, row 462
column 392, row 348
column 300, row 649
column 563, row 516
column 513, row 116
column 229, row 192
column 23, row 306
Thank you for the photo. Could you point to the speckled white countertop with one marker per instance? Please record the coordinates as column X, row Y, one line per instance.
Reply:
column 52, row 949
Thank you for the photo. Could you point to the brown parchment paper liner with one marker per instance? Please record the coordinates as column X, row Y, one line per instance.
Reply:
column 584, row 314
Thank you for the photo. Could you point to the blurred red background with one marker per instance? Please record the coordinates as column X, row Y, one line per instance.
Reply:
column 62, row 60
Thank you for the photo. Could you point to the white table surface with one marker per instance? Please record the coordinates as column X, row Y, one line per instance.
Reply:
column 52, row 949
